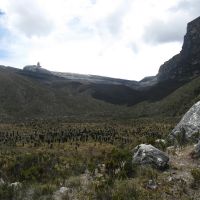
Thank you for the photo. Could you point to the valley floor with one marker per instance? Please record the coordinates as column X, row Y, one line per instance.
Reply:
column 92, row 161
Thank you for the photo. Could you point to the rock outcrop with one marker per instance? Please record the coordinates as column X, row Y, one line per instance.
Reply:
column 187, row 63
column 36, row 68
column 149, row 155
column 189, row 126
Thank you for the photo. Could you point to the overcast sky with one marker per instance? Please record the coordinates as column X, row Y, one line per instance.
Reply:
column 118, row 38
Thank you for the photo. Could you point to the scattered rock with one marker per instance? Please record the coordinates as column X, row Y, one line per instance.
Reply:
column 171, row 150
column 189, row 126
column 161, row 141
column 63, row 190
column 16, row 185
column 61, row 193
column 170, row 179
column 152, row 185
column 148, row 154
column 86, row 179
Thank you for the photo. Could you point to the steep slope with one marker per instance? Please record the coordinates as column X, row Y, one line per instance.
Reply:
column 186, row 64
column 175, row 104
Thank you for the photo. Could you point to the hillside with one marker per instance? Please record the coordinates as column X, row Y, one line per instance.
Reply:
column 35, row 92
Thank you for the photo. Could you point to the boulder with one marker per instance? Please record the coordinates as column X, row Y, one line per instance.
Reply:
column 189, row 126
column 148, row 154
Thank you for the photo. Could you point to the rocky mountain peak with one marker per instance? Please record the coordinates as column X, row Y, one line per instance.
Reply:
column 186, row 64
column 36, row 68
column 191, row 45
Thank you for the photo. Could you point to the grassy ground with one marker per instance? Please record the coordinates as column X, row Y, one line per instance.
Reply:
column 98, row 167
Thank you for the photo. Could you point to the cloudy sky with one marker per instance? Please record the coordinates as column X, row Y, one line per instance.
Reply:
column 118, row 38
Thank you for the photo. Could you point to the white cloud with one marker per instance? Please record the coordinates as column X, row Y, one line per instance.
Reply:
column 105, row 37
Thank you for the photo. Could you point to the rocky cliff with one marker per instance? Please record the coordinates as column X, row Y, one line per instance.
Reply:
column 187, row 63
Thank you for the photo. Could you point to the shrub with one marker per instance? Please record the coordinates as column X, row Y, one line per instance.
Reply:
column 119, row 164
column 45, row 190
column 125, row 190
column 196, row 176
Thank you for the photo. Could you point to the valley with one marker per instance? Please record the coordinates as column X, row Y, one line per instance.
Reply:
column 66, row 136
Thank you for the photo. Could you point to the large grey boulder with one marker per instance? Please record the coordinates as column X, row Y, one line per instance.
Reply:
column 149, row 155
column 189, row 126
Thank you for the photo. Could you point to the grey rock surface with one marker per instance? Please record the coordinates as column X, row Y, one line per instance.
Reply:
column 148, row 154
column 189, row 124
column 187, row 63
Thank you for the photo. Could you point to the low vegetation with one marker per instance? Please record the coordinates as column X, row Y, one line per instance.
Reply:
column 59, row 160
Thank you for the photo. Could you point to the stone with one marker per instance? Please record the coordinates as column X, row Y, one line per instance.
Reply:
column 171, row 150
column 189, row 126
column 16, row 185
column 63, row 190
column 196, row 151
column 152, row 185
column 148, row 154
column 62, row 193
column 160, row 141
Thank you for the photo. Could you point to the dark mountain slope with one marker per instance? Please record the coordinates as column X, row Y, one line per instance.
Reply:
column 27, row 95
column 31, row 96
column 38, row 93
column 175, row 104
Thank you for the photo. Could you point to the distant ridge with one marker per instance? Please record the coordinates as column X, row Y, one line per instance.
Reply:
column 35, row 92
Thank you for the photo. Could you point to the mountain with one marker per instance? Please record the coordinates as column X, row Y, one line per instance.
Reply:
column 187, row 63
column 35, row 92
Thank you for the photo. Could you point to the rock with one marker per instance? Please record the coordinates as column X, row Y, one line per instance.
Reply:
column 170, row 179
column 63, row 190
column 171, row 150
column 16, row 185
column 148, row 154
column 186, row 64
column 152, row 185
column 61, row 193
column 196, row 152
column 36, row 69
column 161, row 141
column 189, row 126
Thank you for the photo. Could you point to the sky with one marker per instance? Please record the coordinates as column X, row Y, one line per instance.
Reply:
column 126, row 39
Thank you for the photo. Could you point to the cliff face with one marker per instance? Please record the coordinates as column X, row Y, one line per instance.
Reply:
column 186, row 64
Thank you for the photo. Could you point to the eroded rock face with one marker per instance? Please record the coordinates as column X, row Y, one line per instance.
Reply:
column 187, row 63
column 149, row 155
column 189, row 124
